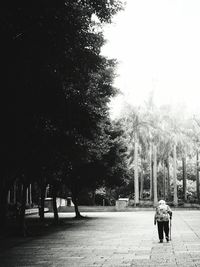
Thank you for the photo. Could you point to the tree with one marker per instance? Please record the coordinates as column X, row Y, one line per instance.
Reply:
column 139, row 129
column 175, row 176
column 196, row 127
column 53, row 57
column 136, row 183
column 155, row 197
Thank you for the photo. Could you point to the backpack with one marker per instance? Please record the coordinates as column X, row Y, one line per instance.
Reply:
column 162, row 213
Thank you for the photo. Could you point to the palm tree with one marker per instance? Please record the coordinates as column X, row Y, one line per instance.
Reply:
column 150, row 171
column 136, row 181
column 175, row 175
column 155, row 196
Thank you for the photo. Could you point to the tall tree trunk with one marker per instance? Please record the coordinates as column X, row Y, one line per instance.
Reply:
column 3, row 204
column 175, row 176
column 197, row 175
column 152, row 180
column 14, row 193
column 42, row 198
column 136, row 182
column 22, row 222
column 27, row 196
column 141, row 184
column 9, row 197
column 150, row 172
column 184, row 179
column 55, row 210
column 168, row 180
column 30, row 195
column 164, row 181
column 155, row 195
column 75, row 201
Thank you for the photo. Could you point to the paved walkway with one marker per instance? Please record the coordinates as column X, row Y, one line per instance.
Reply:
column 112, row 239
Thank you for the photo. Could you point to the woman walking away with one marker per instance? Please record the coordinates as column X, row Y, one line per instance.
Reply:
column 162, row 216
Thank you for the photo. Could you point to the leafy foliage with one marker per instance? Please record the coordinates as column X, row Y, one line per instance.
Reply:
column 56, row 90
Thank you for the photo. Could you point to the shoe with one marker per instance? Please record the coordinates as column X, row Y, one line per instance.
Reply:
column 167, row 238
column 161, row 241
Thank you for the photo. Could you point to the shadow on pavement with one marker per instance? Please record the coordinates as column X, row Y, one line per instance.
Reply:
column 11, row 236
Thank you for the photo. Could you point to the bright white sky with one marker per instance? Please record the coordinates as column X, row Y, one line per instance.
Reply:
column 157, row 44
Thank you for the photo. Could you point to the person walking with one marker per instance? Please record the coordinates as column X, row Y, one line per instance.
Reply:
column 162, row 216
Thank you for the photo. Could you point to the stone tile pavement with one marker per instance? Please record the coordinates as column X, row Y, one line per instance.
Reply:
column 112, row 239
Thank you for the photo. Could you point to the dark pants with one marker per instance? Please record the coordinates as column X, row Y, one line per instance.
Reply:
column 163, row 227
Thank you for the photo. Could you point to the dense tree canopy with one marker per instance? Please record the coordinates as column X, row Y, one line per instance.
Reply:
column 56, row 87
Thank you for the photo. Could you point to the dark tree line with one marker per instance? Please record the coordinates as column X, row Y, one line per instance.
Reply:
column 55, row 93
